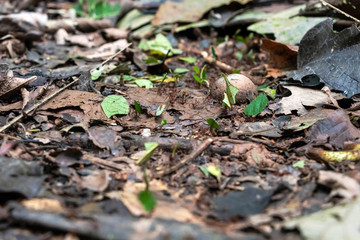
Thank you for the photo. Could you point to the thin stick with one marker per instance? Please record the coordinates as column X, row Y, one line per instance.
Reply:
column 187, row 159
column 103, row 162
column 16, row 119
column 340, row 11
column 113, row 56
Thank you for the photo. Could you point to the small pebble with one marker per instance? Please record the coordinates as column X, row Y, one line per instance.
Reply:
column 247, row 89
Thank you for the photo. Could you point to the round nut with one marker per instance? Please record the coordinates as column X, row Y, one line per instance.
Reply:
column 247, row 89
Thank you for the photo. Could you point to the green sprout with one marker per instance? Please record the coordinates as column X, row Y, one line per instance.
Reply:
column 200, row 75
column 96, row 9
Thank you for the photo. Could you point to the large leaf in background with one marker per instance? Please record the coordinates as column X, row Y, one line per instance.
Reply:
column 285, row 27
column 187, row 10
column 134, row 19
column 286, row 30
column 340, row 222
column 334, row 57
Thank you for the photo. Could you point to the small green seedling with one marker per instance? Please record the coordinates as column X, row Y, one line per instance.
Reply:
column 115, row 104
column 299, row 164
column 137, row 107
column 96, row 73
column 148, row 201
column 250, row 56
column 200, row 75
column 229, row 94
column 205, row 171
column 265, row 88
column 163, row 123
column 240, row 38
column 150, row 148
column 160, row 110
column 213, row 52
column 215, row 171
column 257, row 105
column 212, row 124
column 174, row 149
column 96, row 9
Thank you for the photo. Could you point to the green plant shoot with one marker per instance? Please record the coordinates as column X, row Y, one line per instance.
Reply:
column 230, row 93
column 137, row 107
column 148, row 201
column 212, row 124
column 160, row 110
column 150, row 148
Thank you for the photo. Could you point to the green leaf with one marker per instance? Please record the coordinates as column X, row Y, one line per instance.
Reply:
column 159, row 46
column 215, row 171
column 96, row 73
column 78, row 9
column 163, row 122
column 127, row 77
column 213, row 52
column 204, row 169
column 197, row 78
column 152, row 60
column 150, row 148
column 137, row 107
column 144, row 83
column 181, row 70
column 188, row 59
column 115, row 104
column 239, row 55
column 206, row 83
column 226, row 101
column 257, row 105
column 213, row 124
column 267, row 90
column 230, row 91
column 101, row 9
column 160, row 110
column 196, row 69
column 299, row 164
column 147, row 200
column 270, row 92
column 203, row 73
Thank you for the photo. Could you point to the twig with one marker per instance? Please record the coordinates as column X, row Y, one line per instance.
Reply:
column 103, row 162
column 210, row 60
column 221, row 65
column 113, row 56
column 340, row 11
column 187, row 159
column 26, row 112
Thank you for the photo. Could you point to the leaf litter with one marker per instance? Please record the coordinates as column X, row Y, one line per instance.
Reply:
column 105, row 139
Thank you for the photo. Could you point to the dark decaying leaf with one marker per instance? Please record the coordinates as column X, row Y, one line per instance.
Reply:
column 335, row 130
column 19, row 178
column 331, row 56
column 241, row 204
